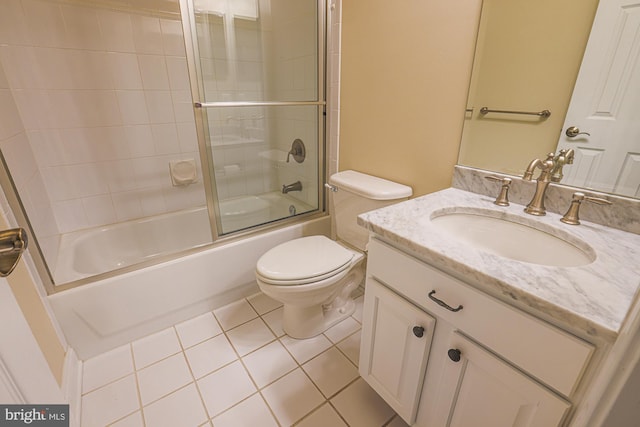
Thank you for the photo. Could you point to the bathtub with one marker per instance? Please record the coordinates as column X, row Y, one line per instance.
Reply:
column 104, row 314
column 98, row 250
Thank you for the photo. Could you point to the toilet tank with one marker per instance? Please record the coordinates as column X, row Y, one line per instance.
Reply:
column 359, row 193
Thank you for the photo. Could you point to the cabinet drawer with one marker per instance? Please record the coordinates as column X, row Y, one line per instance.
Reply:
column 545, row 352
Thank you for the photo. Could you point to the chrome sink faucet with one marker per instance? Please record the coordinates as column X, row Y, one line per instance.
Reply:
column 536, row 205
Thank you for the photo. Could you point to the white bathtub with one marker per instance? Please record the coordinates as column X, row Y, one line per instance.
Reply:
column 107, row 313
column 98, row 250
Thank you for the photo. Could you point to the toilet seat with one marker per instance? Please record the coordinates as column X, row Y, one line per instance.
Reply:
column 303, row 260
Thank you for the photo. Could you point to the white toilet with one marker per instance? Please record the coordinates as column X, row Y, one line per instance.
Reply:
column 314, row 276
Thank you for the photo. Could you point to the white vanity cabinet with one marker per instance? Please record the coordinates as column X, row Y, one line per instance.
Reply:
column 398, row 340
column 483, row 362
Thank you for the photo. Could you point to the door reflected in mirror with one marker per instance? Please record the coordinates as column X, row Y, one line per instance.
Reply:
column 528, row 58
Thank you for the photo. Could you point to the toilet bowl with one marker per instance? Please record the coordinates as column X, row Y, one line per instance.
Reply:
column 315, row 276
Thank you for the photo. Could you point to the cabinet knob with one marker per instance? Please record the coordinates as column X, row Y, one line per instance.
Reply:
column 418, row 331
column 454, row 354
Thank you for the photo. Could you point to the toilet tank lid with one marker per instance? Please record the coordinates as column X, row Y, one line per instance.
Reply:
column 369, row 186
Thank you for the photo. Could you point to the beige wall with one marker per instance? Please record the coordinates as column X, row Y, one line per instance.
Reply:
column 528, row 59
column 405, row 76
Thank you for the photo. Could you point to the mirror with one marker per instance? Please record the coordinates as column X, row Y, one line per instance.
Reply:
column 527, row 59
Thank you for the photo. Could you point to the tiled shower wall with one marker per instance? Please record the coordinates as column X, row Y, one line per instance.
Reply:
column 103, row 94
column 96, row 102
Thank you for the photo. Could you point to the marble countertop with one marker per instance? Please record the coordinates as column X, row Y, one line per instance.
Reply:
column 593, row 298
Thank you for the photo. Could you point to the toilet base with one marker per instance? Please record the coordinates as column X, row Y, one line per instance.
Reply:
column 307, row 322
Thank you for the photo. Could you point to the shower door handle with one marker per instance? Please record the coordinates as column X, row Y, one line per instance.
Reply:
column 12, row 244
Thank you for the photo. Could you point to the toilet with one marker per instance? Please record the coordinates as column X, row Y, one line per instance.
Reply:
column 315, row 276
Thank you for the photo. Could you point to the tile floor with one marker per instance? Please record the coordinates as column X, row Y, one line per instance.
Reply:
column 234, row 367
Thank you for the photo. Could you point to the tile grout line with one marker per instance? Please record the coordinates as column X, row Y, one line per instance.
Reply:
column 195, row 381
column 259, row 390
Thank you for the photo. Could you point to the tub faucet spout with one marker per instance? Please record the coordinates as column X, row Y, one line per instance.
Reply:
column 296, row 186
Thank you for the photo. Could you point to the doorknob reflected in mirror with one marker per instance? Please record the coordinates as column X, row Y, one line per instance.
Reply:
column 574, row 131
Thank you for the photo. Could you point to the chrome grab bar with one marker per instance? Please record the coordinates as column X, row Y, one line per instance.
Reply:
column 543, row 113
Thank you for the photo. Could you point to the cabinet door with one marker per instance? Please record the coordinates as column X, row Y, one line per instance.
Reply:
column 396, row 337
column 484, row 390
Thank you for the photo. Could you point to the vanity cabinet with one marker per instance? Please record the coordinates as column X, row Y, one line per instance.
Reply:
column 478, row 362
column 398, row 340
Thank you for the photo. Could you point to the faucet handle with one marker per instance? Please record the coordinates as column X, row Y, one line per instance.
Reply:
column 571, row 217
column 503, row 197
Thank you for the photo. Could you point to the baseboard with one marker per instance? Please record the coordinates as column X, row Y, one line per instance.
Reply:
column 72, row 386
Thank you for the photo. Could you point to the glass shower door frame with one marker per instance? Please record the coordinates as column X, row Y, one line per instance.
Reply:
column 202, row 128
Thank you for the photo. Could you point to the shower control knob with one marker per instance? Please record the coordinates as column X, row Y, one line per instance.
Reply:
column 454, row 354
column 418, row 331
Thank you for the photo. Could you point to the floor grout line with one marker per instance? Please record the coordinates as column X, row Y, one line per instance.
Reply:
column 238, row 358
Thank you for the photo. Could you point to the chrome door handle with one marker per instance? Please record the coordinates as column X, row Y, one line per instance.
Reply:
column 574, row 131
column 12, row 245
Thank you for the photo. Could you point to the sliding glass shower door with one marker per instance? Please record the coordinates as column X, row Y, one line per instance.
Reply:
column 260, row 71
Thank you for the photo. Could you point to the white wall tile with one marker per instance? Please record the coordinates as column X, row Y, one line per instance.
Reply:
column 160, row 106
column 87, row 88
column 4, row 83
column 183, row 106
column 82, row 29
column 133, row 107
column 153, row 69
column 147, row 36
column 172, row 37
column 70, row 215
column 178, row 73
column 45, row 23
column 99, row 210
column 127, row 205
column 152, row 201
column 165, row 138
column 116, row 30
column 139, row 140
column 150, row 171
column 121, row 175
column 187, row 137
column 89, row 179
column 10, row 122
column 125, row 71
column 21, row 67
column 13, row 24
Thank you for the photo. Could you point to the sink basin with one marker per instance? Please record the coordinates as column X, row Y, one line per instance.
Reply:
column 503, row 235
